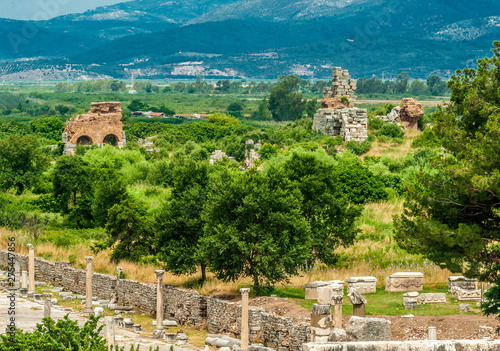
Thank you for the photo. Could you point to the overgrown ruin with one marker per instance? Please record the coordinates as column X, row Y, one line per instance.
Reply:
column 337, row 115
column 101, row 125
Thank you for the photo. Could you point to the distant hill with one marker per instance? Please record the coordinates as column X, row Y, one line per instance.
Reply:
column 266, row 38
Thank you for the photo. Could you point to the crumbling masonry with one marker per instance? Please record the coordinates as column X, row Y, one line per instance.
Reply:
column 337, row 115
column 101, row 125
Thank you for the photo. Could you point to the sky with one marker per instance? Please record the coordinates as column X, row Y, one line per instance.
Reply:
column 45, row 9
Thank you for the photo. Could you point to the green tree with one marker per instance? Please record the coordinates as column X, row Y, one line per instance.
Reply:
column 254, row 227
column 324, row 205
column 452, row 212
column 48, row 127
column 73, row 189
column 402, row 83
column 178, row 224
column 22, row 161
column 129, row 230
column 137, row 105
column 221, row 119
column 311, row 107
column 285, row 101
column 436, row 85
column 109, row 190
column 263, row 112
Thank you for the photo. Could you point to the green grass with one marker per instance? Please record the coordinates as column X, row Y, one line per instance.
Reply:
column 385, row 303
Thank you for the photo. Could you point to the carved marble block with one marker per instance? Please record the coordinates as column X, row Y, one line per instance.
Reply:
column 404, row 281
column 432, row 298
column 465, row 295
column 364, row 285
column 462, row 282
column 312, row 288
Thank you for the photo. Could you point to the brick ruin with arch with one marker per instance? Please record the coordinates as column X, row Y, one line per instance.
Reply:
column 101, row 125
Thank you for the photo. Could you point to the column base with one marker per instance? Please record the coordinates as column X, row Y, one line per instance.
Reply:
column 158, row 333
column 88, row 310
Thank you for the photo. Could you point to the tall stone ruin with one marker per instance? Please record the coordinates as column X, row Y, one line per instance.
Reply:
column 101, row 125
column 337, row 115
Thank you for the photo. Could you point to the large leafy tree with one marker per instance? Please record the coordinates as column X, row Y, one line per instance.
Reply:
column 254, row 227
column 452, row 212
column 22, row 161
column 178, row 224
column 324, row 205
column 285, row 101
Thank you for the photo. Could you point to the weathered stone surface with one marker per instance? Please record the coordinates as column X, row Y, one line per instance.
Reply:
column 356, row 298
column 327, row 294
column 465, row 295
column 337, row 335
column 464, row 307
column 410, row 304
column 312, row 288
column 321, row 310
column 101, row 125
column 368, row 329
column 98, row 311
column 462, row 282
column 411, row 112
column 404, row 281
column 417, row 345
column 432, row 298
column 365, row 285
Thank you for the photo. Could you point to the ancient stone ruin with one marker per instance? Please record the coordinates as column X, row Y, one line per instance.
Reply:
column 101, row 125
column 407, row 115
column 337, row 115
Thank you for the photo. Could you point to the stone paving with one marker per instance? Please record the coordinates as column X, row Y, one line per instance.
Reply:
column 29, row 313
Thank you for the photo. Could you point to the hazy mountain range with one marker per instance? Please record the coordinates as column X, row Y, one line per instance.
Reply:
column 252, row 38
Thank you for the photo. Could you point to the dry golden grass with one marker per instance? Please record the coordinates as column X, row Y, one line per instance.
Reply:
column 392, row 149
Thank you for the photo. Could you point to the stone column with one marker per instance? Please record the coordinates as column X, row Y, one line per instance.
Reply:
column 432, row 333
column 17, row 274
column 244, row 318
column 358, row 303
column 24, row 275
column 31, row 268
column 109, row 330
column 159, row 331
column 338, row 301
column 47, row 305
column 321, row 322
column 88, row 287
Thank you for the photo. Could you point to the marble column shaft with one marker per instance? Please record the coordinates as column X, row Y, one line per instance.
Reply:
column 244, row 318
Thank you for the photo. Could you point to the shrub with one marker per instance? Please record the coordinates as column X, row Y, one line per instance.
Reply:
column 222, row 119
column 359, row 148
column 375, row 123
column 345, row 100
column 426, row 139
column 391, row 130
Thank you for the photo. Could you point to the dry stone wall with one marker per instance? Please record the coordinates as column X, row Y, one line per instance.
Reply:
column 183, row 306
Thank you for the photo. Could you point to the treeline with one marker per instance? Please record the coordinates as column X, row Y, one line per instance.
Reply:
column 433, row 86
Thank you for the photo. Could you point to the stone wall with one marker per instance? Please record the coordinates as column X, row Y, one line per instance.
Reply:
column 183, row 306
column 350, row 123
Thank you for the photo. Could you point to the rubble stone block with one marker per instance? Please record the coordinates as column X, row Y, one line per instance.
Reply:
column 368, row 329
column 462, row 282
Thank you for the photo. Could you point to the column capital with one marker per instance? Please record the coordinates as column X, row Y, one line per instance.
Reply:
column 48, row 296
column 30, row 247
column 88, row 259
column 159, row 275
column 244, row 291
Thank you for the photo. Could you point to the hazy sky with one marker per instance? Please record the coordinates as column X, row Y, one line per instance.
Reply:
column 44, row 9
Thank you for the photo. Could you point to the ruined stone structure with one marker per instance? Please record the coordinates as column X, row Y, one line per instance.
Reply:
column 101, row 125
column 411, row 112
column 365, row 285
column 338, row 116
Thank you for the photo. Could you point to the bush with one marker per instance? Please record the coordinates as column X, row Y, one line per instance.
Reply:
column 391, row 130
column 359, row 148
column 427, row 139
column 375, row 123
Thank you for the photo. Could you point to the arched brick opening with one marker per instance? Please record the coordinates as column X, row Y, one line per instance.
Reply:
column 84, row 140
column 111, row 139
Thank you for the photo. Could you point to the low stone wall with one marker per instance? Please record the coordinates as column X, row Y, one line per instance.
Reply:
column 183, row 306
column 425, row 345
